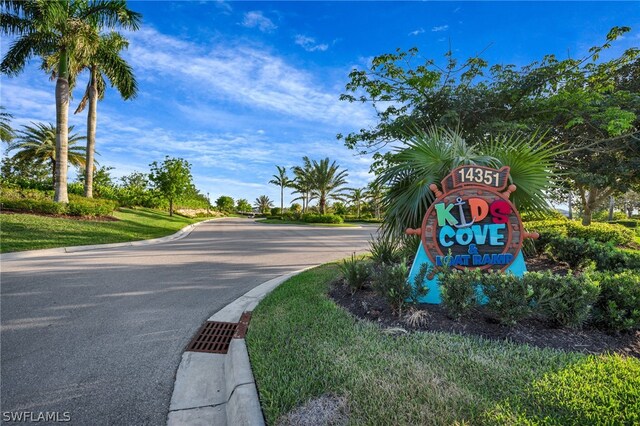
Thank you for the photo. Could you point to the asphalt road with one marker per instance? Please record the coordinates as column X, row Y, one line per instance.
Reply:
column 99, row 334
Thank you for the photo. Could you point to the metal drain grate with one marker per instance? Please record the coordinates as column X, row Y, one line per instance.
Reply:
column 214, row 337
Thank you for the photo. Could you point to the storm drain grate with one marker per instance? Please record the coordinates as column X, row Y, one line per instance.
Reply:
column 214, row 337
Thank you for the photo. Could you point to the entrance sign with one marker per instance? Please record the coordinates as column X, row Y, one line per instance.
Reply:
column 471, row 224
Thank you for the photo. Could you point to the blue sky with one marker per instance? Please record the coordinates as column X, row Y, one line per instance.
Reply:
column 238, row 87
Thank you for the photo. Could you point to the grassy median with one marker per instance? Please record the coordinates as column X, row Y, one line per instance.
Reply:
column 20, row 232
column 302, row 346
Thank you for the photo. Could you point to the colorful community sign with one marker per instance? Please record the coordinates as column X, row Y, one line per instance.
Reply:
column 471, row 224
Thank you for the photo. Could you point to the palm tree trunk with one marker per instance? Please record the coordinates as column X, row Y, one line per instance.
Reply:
column 53, row 172
column 611, row 205
column 62, row 133
column 281, row 199
column 91, row 133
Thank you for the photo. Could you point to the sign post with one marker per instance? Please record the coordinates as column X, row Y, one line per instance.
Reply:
column 471, row 224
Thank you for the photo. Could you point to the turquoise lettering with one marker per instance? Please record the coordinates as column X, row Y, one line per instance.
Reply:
column 446, row 232
column 496, row 238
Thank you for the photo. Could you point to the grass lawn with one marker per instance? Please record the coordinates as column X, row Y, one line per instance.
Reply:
column 20, row 232
column 298, row 222
column 302, row 346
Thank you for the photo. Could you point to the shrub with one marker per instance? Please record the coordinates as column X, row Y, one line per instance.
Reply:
column 618, row 307
column 509, row 296
column 79, row 206
column 601, row 232
column 627, row 223
column 30, row 205
column 409, row 245
column 390, row 281
column 275, row 211
column 603, row 216
column 321, row 218
column 384, row 250
column 458, row 290
column 356, row 272
column 566, row 300
column 574, row 251
column 542, row 216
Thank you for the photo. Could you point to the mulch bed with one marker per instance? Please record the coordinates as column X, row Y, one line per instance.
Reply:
column 367, row 305
column 65, row 216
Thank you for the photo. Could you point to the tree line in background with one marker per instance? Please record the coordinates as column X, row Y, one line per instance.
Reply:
column 587, row 110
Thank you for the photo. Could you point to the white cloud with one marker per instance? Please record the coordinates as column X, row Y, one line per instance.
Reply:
column 440, row 28
column 255, row 19
column 242, row 75
column 417, row 32
column 309, row 43
column 224, row 6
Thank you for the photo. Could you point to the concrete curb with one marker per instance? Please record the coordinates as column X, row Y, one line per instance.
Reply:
column 75, row 249
column 216, row 389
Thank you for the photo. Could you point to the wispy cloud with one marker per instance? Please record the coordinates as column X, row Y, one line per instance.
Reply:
column 243, row 75
column 309, row 43
column 417, row 32
column 440, row 28
column 224, row 6
column 255, row 19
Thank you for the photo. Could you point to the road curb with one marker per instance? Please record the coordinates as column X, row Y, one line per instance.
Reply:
column 75, row 249
column 215, row 389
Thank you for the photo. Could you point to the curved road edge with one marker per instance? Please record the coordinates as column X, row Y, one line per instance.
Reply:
column 216, row 389
column 74, row 249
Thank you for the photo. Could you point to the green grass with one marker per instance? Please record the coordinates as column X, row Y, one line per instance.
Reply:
column 299, row 222
column 20, row 232
column 302, row 346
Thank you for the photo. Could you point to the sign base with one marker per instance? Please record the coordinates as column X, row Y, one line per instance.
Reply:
column 517, row 268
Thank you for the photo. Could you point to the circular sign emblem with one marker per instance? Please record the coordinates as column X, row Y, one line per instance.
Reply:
column 472, row 224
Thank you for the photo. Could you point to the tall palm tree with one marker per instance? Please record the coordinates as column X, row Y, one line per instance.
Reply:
column 356, row 197
column 263, row 203
column 430, row 155
column 37, row 143
column 6, row 132
column 328, row 182
column 374, row 194
column 303, row 182
column 65, row 28
column 282, row 180
column 104, row 62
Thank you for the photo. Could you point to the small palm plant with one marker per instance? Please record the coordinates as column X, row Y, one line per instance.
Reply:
column 430, row 155
column 263, row 203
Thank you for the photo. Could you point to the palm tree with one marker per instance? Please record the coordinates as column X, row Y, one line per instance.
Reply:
column 356, row 197
column 37, row 143
column 67, row 29
column 374, row 194
column 104, row 62
column 6, row 132
column 430, row 155
column 282, row 180
column 327, row 182
column 263, row 203
column 303, row 182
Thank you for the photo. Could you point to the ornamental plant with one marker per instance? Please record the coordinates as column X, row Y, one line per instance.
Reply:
column 458, row 290
column 356, row 272
column 509, row 296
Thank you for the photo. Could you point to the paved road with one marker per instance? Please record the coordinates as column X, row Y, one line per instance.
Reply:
column 100, row 334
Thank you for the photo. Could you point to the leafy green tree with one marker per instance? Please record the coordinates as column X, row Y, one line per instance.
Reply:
column 225, row 203
column 65, row 28
column 37, row 144
column 263, row 203
column 327, row 182
column 27, row 173
column 135, row 189
column 430, row 155
column 171, row 179
column 105, row 63
column 281, row 180
column 243, row 205
column 6, row 131
column 590, row 108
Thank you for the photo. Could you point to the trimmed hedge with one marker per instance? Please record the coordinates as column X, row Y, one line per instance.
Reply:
column 321, row 218
column 579, row 253
column 78, row 206
column 601, row 232
column 618, row 308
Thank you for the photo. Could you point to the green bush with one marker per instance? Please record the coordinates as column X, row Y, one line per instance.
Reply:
column 356, row 272
column 321, row 218
column 575, row 251
column 509, row 297
column 550, row 215
column 90, row 207
column 409, row 245
column 458, row 290
column 566, row 300
column 29, row 205
column 390, row 281
column 618, row 307
column 384, row 250
column 275, row 211
column 603, row 216
column 601, row 232
column 627, row 223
